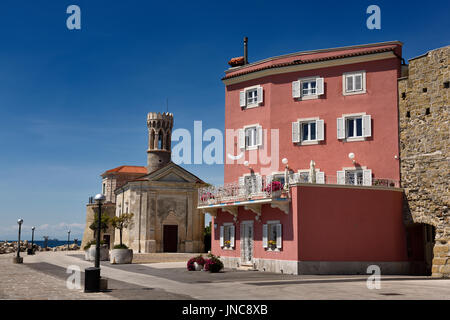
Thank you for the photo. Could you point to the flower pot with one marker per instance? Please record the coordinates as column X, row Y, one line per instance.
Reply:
column 198, row 267
column 276, row 194
column 121, row 256
column 104, row 253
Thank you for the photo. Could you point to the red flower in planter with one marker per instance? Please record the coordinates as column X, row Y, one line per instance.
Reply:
column 199, row 259
column 274, row 186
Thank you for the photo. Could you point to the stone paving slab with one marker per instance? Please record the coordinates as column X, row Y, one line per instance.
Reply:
column 172, row 281
column 20, row 281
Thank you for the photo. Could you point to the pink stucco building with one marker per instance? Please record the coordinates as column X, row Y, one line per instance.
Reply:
column 312, row 171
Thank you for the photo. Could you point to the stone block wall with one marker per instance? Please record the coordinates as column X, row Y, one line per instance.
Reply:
column 424, row 154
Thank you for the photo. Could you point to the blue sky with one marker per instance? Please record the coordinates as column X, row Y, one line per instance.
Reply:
column 73, row 103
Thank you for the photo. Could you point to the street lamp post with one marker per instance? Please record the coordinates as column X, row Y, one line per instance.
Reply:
column 92, row 274
column 31, row 251
column 18, row 258
column 68, row 239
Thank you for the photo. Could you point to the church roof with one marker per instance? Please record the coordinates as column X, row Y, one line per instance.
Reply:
column 127, row 169
column 169, row 166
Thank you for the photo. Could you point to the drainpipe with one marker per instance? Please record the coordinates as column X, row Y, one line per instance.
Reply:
column 140, row 207
column 245, row 51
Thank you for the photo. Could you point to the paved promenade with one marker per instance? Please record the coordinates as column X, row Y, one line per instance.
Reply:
column 43, row 276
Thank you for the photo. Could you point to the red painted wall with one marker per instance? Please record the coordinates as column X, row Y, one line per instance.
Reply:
column 328, row 224
column 279, row 110
column 290, row 233
column 350, row 224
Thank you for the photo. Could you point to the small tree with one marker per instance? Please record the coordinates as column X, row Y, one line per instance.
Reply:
column 121, row 222
column 103, row 225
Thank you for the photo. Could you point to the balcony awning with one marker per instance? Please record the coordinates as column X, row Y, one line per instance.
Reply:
column 254, row 205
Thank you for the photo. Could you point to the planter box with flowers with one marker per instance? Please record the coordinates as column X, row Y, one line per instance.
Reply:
column 272, row 244
column 207, row 197
column 196, row 263
column 274, row 189
column 227, row 244
column 212, row 264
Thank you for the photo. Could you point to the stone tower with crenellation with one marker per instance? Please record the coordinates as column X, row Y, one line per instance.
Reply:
column 159, row 139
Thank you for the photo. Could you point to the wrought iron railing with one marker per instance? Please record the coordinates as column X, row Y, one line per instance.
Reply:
column 259, row 187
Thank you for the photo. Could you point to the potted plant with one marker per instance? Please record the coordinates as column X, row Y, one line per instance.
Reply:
column 121, row 254
column 90, row 247
column 213, row 264
column 274, row 188
column 89, row 251
column 227, row 243
column 272, row 244
column 196, row 263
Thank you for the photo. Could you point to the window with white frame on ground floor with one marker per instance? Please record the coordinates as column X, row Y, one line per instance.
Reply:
column 356, row 177
column 251, row 97
column 308, row 131
column 354, row 127
column 227, row 233
column 272, row 235
column 354, row 82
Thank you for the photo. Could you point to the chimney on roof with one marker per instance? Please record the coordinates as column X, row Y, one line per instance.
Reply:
column 245, row 51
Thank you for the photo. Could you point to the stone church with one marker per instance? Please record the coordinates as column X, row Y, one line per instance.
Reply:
column 162, row 196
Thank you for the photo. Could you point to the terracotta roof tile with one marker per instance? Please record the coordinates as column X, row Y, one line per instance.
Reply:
column 128, row 169
column 311, row 60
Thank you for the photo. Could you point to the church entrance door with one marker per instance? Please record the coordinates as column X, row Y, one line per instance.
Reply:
column 170, row 238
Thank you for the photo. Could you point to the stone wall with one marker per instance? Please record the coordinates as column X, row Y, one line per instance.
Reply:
column 424, row 154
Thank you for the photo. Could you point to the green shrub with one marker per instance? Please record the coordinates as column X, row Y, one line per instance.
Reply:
column 120, row 246
column 92, row 242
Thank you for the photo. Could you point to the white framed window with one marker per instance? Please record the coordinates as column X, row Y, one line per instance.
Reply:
column 303, row 176
column 355, row 177
column 308, row 88
column 272, row 235
column 250, row 184
column 308, row 131
column 251, row 97
column 354, row 82
column 227, row 235
column 354, row 127
column 250, row 137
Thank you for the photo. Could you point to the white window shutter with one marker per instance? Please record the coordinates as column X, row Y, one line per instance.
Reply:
column 260, row 94
column 320, row 134
column 232, row 236
column 221, row 236
column 319, row 86
column 241, row 139
column 340, row 128
column 264, row 240
column 242, row 99
column 320, row 177
column 279, row 236
column 295, row 132
column 258, row 183
column 259, row 135
column 367, row 126
column 268, row 180
column 296, row 89
column 340, row 177
column 367, row 177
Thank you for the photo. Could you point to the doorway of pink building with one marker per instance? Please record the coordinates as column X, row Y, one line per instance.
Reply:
column 246, row 243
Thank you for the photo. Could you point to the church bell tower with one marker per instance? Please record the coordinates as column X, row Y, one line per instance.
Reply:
column 159, row 139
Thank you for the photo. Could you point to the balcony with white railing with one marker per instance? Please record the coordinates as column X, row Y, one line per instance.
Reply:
column 260, row 190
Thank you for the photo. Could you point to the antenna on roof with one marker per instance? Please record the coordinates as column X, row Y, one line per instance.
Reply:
column 245, row 50
column 167, row 104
